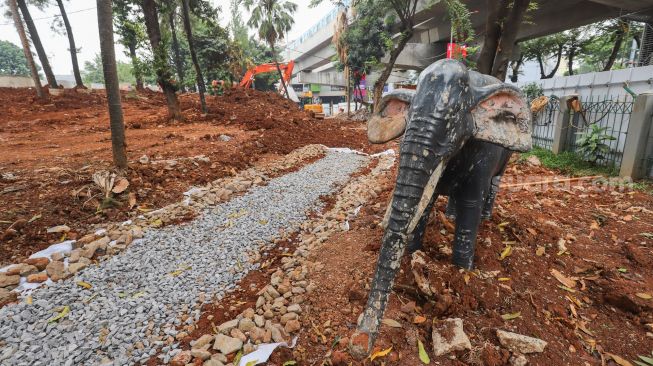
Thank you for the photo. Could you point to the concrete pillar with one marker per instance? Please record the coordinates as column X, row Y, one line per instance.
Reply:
column 638, row 133
column 561, row 132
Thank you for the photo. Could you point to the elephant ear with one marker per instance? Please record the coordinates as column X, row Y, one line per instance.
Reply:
column 501, row 116
column 390, row 121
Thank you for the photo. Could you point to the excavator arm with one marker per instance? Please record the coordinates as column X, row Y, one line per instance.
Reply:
column 286, row 71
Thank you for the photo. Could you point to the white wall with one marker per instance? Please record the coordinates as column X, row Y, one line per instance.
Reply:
column 16, row 82
column 599, row 84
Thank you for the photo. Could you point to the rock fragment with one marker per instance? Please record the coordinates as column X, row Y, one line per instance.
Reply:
column 520, row 343
column 449, row 336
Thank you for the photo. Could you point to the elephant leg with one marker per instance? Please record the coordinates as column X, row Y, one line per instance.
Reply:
column 415, row 242
column 491, row 197
column 469, row 204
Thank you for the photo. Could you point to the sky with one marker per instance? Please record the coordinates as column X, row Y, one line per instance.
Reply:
column 83, row 19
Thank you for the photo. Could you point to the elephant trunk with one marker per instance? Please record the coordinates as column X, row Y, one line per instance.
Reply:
column 420, row 166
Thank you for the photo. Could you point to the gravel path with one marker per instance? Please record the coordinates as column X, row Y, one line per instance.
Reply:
column 138, row 296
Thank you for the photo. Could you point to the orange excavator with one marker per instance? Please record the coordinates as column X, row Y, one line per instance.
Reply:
column 286, row 71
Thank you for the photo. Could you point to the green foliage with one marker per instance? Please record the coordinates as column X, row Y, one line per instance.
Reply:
column 273, row 18
column 461, row 23
column 568, row 163
column 592, row 143
column 366, row 39
column 532, row 90
column 12, row 60
column 93, row 72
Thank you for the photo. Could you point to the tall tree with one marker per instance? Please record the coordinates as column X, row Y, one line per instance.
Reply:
column 105, row 26
column 129, row 26
column 18, row 22
column 71, row 43
column 36, row 40
column 161, row 67
column 503, row 21
column 273, row 18
column 179, row 63
column 191, row 45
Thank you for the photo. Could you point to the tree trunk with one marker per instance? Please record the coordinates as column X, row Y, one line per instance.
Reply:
column 36, row 40
column 508, row 38
column 105, row 26
column 73, row 49
column 385, row 74
column 557, row 66
column 26, row 50
column 175, row 47
column 570, row 60
column 619, row 39
column 496, row 13
column 515, row 69
column 162, row 69
column 540, row 61
column 193, row 55
column 136, row 67
column 274, row 58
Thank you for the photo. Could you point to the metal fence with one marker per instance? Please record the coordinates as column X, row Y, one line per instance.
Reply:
column 544, row 124
column 610, row 115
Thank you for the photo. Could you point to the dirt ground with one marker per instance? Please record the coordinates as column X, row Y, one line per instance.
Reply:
column 50, row 150
column 577, row 266
column 601, row 242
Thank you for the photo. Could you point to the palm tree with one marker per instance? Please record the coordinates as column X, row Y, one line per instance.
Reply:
column 71, row 42
column 18, row 22
column 273, row 18
column 36, row 40
column 191, row 45
column 163, row 74
column 105, row 26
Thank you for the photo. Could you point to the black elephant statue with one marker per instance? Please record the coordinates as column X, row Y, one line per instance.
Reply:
column 460, row 130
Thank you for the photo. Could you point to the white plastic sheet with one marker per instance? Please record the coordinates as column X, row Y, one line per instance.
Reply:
column 263, row 352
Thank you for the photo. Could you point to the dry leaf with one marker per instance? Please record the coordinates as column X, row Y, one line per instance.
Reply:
column 63, row 313
column 507, row 251
column 419, row 319
column 378, row 354
column 569, row 282
column 532, row 231
column 504, row 279
column 628, row 218
column 568, row 289
column 594, row 225
column 85, row 285
column 511, row 316
column 644, row 296
column 391, row 323
column 540, row 251
column 120, row 186
column 619, row 360
column 132, row 200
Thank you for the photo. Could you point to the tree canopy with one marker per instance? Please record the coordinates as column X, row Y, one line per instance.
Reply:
column 12, row 60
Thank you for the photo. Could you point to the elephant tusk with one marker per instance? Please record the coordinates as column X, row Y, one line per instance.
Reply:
column 429, row 190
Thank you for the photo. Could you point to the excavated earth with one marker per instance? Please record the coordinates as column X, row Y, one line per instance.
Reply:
column 570, row 264
column 50, row 150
